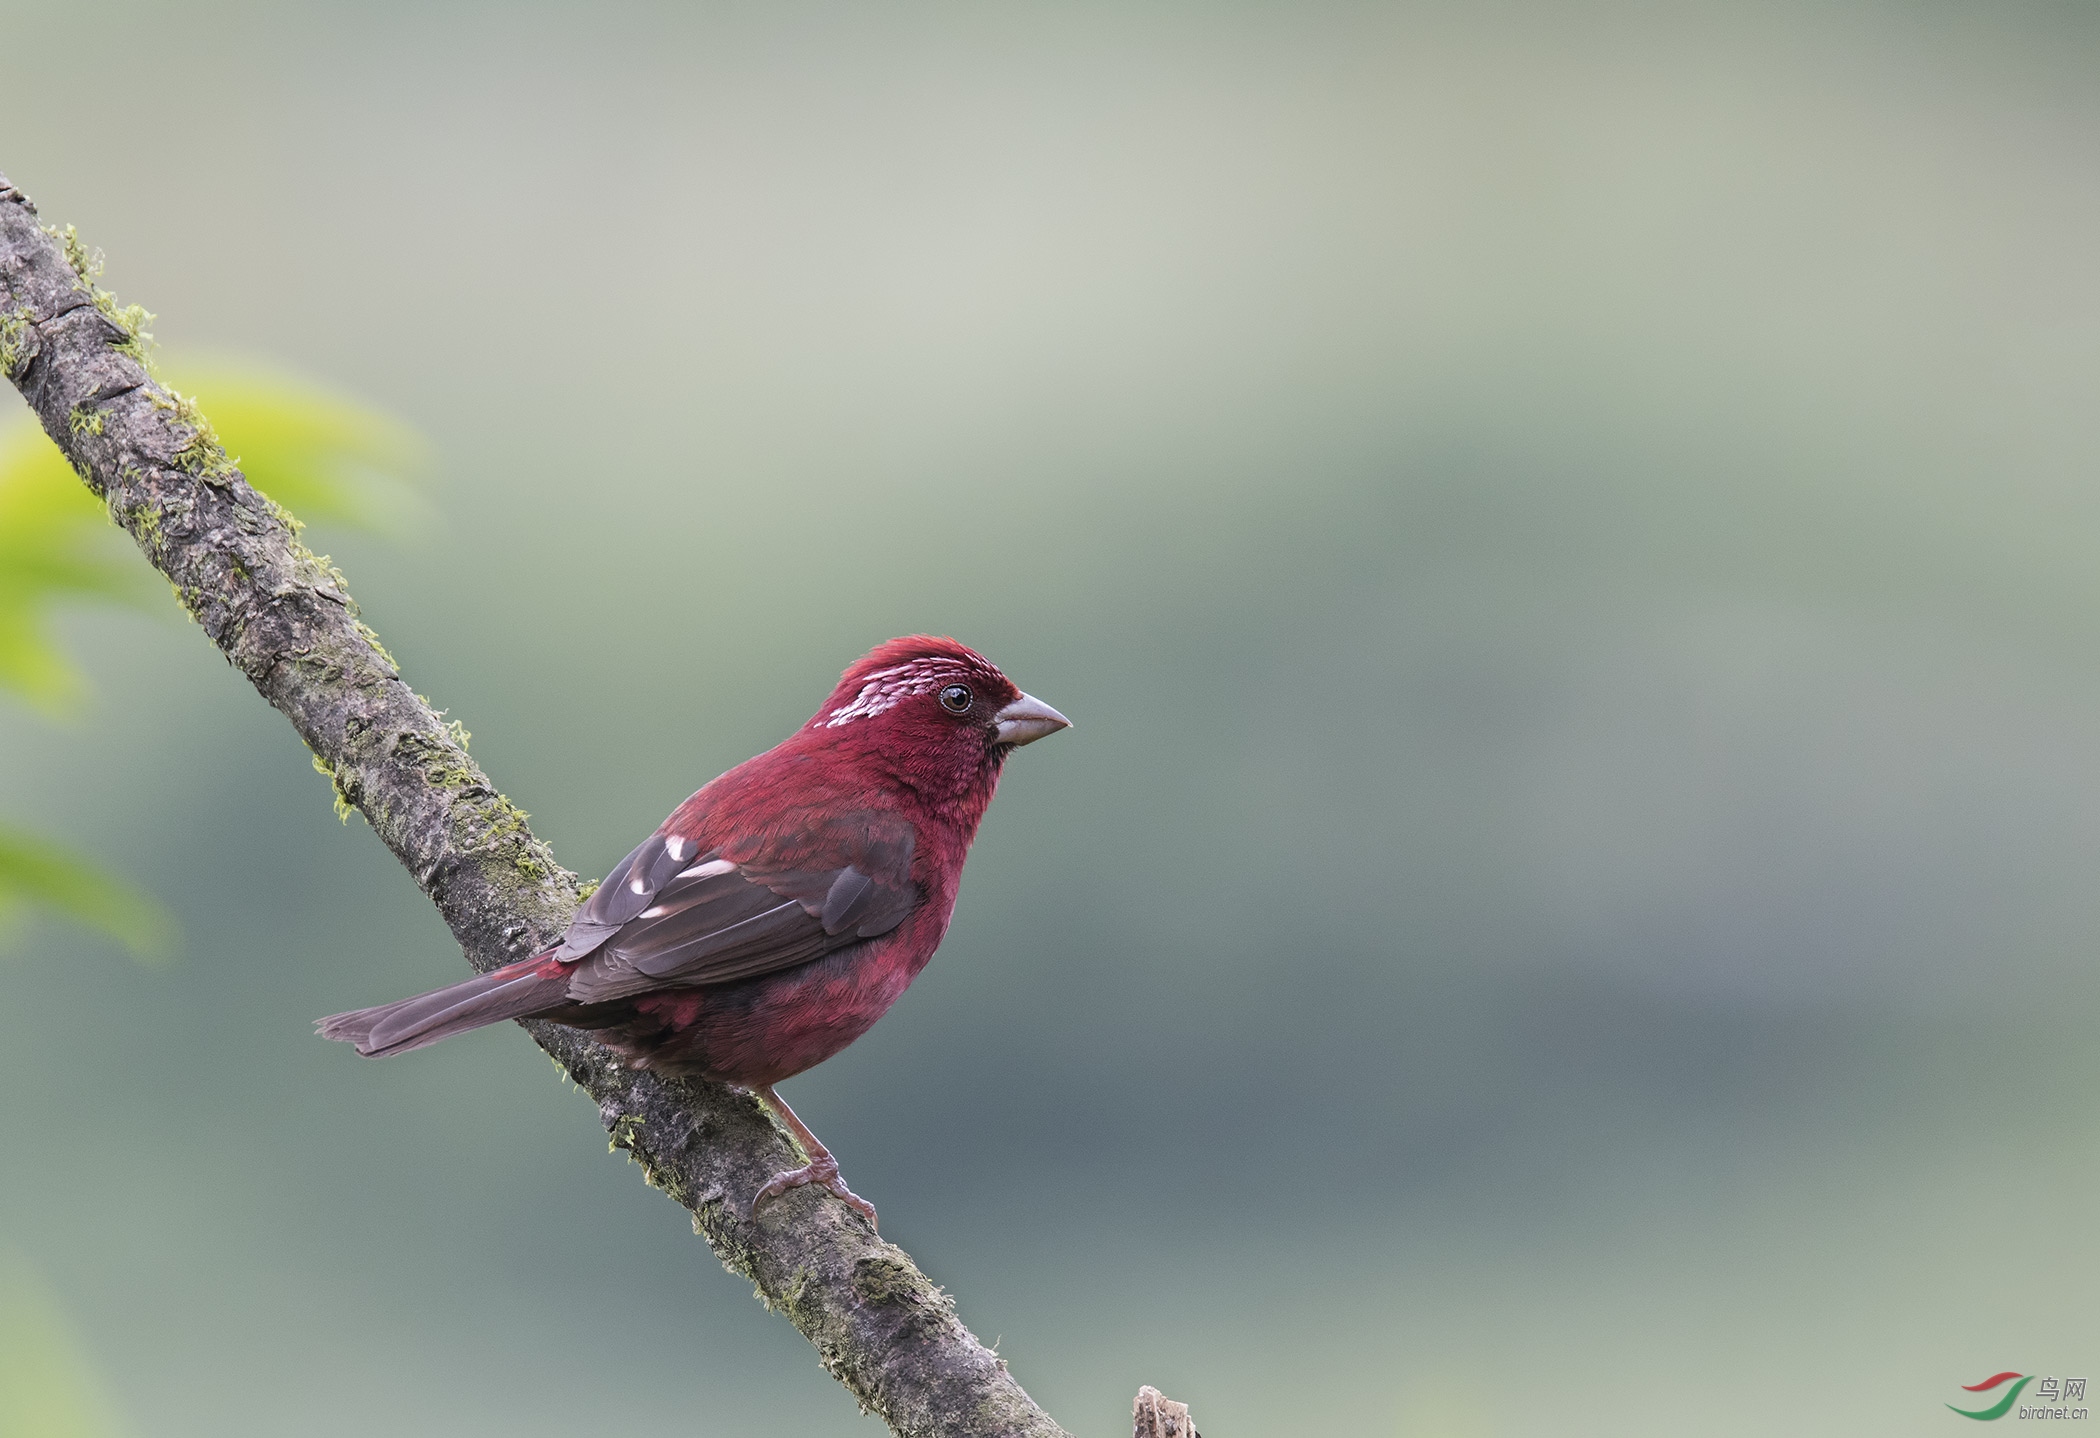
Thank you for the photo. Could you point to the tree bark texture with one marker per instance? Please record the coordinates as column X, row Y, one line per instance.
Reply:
column 284, row 619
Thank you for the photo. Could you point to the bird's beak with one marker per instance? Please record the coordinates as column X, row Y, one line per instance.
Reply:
column 1028, row 719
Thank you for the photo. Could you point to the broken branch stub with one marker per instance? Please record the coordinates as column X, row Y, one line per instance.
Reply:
column 1155, row 1415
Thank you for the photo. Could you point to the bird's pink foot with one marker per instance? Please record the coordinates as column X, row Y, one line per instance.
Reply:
column 823, row 1171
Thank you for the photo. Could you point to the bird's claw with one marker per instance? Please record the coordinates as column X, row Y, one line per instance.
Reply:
column 822, row 1172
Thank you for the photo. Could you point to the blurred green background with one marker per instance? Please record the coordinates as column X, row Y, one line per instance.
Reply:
column 1570, row 534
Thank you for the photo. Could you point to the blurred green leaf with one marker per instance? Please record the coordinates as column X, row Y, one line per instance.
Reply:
column 48, row 1387
column 52, row 548
column 322, row 456
column 35, row 871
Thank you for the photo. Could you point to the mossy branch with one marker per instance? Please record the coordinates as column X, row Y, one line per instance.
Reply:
column 283, row 617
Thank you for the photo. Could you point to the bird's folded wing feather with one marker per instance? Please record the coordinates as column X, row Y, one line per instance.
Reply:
column 671, row 915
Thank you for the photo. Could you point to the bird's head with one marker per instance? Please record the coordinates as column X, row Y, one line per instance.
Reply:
column 941, row 714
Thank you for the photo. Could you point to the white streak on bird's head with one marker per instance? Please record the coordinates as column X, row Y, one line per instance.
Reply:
column 887, row 688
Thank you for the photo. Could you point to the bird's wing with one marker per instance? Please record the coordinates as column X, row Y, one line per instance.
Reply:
column 671, row 915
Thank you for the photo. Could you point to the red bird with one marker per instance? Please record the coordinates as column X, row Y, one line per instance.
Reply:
column 780, row 911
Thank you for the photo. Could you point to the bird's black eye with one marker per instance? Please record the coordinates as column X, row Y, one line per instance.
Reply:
column 956, row 698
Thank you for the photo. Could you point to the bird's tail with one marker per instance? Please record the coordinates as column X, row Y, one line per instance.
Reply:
column 515, row 991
